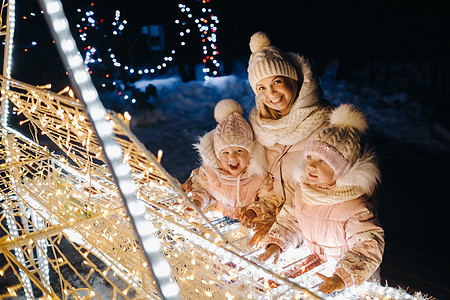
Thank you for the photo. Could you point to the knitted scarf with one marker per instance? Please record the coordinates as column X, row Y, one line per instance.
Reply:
column 290, row 129
column 318, row 196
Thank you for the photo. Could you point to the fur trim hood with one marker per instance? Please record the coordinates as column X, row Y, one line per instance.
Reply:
column 364, row 173
column 205, row 148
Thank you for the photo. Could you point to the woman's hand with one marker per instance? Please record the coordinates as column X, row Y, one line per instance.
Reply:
column 247, row 218
column 261, row 230
column 272, row 250
column 330, row 284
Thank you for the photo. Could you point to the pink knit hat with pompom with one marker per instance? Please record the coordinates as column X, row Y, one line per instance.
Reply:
column 233, row 129
column 339, row 143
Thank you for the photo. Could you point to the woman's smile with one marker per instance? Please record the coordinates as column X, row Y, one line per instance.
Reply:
column 276, row 101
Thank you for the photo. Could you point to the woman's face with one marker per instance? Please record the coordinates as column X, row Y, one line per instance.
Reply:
column 275, row 93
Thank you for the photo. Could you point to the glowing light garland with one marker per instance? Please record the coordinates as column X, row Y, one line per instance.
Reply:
column 206, row 26
column 7, row 58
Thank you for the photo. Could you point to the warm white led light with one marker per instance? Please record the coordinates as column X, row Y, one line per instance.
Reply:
column 89, row 94
column 162, row 269
column 130, row 189
column 170, row 289
column 53, row 7
column 60, row 25
column 80, row 76
column 152, row 244
column 114, row 152
column 68, row 45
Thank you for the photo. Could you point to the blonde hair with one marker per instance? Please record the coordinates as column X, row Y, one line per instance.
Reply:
column 268, row 113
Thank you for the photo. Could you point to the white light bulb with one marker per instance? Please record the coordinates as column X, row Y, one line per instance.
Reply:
column 53, row 7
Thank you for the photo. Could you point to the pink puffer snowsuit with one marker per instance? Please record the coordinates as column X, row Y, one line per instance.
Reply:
column 343, row 230
column 232, row 195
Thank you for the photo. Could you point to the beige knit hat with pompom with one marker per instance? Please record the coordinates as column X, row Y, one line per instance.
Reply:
column 339, row 144
column 233, row 129
column 267, row 60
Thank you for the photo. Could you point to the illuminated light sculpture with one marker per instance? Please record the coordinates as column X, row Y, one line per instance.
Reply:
column 67, row 224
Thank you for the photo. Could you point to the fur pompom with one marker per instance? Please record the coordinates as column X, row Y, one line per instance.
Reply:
column 258, row 41
column 226, row 107
column 349, row 115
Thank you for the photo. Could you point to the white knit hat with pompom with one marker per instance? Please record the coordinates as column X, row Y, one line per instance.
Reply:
column 339, row 144
column 233, row 129
column 267, row 60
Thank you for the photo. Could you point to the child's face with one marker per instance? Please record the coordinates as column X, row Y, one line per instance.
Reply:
column 275, row 92
column 234, row 159
column 318, row 172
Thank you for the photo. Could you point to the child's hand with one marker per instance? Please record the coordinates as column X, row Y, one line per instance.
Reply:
column 330, row 284
column 273, row 250
column 247, row 218
column 187, row 186
column 189, row 211
column 261, row 230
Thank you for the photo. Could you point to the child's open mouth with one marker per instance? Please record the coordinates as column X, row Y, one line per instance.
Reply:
column 234, row 166
column 312, row 175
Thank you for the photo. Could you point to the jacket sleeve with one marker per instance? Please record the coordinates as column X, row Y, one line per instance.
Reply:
column 285, row 231
column 266, row 206
column 199, row 188
column 366, row 242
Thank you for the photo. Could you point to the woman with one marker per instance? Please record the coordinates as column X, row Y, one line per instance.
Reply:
column 289, row 109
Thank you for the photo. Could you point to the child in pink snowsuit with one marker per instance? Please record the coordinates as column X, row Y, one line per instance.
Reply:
column 330, row 213
column 233, row 177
